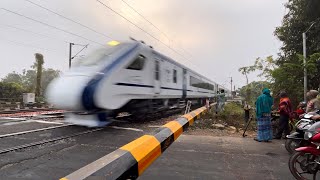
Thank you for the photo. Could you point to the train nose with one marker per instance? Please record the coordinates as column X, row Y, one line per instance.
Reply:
column 65, row 92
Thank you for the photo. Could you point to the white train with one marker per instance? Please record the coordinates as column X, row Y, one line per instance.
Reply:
column 129, row 77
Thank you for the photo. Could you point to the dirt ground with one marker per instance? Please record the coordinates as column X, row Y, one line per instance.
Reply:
column 204, row 127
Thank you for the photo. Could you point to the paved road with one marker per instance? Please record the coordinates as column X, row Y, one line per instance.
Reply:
column 190, row 157
column 208, row 157
column 58, row 159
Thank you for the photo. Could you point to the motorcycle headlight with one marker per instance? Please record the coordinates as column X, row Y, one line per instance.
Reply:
column 308, row 135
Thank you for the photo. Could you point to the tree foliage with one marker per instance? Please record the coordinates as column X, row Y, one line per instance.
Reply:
column 286, row 72
column 15, row 84
column 10, row 90
column 39, row 61
column 254, row 89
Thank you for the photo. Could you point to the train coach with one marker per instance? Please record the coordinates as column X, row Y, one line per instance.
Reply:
column 126, row 77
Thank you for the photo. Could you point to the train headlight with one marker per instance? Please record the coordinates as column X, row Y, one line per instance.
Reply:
column 113, row 43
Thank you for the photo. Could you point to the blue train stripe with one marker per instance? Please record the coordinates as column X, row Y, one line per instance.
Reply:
column 90, row 89
column 135, row 85
column 150, row 86
column 171, row 88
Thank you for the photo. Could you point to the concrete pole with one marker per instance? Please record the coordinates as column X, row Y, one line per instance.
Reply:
column 305, row 79
column 70, row 54
column 305, row 63
column 231, row 89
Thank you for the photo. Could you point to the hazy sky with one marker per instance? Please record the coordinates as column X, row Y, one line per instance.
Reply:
column 216, row 37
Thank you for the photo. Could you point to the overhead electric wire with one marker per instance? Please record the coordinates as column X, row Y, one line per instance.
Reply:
column 163, row 33
column 30, row 45
column 145, row 19
column 51, row 26
column 32, row 32
column 69, row 19
column 80, row 51
column 108, row 7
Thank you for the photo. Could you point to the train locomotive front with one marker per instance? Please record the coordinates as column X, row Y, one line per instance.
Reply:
column 84, row 91
column 128, row 77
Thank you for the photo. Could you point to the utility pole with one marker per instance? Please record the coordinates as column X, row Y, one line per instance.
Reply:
column 305, row 79
column 70, row 53
column 39, row 61
column 231, row 88
column 304, row 69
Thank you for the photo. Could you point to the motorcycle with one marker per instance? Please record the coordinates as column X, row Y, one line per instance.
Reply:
column 296, row 139
column 305, row 162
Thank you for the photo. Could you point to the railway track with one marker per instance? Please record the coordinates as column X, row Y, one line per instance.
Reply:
column 32, row 113
column 25, row 110
column 45, row 141
column 24, row 144
column 32, row 131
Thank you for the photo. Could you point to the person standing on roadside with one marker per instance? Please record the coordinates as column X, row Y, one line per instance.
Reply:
column 285, row 110
column 222, row 99
column 217, row 103
column 246, row 109
column 263, row 114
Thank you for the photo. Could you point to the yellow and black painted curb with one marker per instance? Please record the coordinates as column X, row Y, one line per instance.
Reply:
column 132, row 159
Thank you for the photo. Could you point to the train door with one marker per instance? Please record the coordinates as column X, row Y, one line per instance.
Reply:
column 184, row 84
column 157, row 80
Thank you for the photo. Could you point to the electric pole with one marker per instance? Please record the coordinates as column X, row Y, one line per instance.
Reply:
column 70, row 53
column 231, row 88
column 305, row 77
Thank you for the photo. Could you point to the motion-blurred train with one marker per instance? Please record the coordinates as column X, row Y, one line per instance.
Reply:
column 127, row 77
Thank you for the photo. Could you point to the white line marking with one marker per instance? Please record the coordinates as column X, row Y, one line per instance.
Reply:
column 12, row 118
column 45, row 122
column 123, row 128
column 154, row 126
column 13, row 123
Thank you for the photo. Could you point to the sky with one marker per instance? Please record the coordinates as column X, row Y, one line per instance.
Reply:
column 212, row 37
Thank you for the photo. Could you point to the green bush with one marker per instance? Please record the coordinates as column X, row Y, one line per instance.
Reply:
column 232, row 115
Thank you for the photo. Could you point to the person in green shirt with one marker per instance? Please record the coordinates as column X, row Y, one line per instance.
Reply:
column 263, row 114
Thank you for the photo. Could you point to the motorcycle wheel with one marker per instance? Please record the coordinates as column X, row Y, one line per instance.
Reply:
column 291, row 145
column 302, row 166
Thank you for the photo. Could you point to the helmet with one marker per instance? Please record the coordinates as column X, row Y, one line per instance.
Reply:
column 283, row 94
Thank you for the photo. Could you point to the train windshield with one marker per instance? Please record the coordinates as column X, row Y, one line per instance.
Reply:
column 98, row 56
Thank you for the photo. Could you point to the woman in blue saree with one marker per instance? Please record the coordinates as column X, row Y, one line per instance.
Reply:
column 263, row 114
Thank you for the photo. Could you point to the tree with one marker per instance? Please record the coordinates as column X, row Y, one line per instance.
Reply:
column 254, row 89
column 39, row 61
column 47, row 76
column 286, row 72
column 11, row 90
column 301, row 14
column 13, row 77
column 29, row 80
column 26, row 82
column 265, row 66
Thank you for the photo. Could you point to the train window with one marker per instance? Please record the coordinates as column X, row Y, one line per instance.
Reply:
column 195, row 82
column 138, row 63
column 98, row 56
column 174, row 76
column 157, row 70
